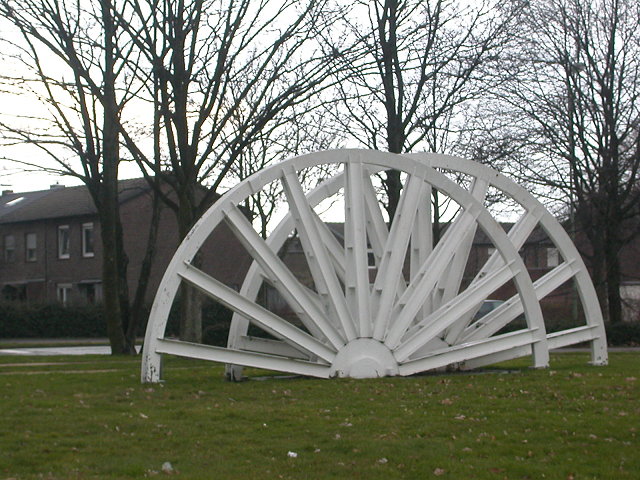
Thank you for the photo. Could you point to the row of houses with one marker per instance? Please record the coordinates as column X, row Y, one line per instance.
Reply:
column 51, row 249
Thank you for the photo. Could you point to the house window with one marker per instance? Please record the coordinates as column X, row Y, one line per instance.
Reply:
column 90, row 292
column 63, row 241
column 64, row 293
column 87, row 240
column 9, row 248
column 553, row 257
column 31, row 242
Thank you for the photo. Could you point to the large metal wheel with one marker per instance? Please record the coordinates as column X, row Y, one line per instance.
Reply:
column 411, row 311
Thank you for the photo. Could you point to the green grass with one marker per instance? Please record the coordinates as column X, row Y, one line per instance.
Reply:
column 88, row 417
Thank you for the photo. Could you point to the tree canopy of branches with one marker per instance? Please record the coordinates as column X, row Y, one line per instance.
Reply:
column 203, row 79
column 223, row 75
column 571, row 117
column 74, row 60
column 410, row 68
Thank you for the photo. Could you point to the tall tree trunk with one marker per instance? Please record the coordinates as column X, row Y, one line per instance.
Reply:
column 613, row 274
column 137, row 309
column 111, row 228
column 190, row 298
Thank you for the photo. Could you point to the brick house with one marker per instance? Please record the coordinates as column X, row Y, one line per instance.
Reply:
column 51, row 247
column 538, row 253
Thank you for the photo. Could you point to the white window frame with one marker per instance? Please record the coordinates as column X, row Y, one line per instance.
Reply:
column 9, row 246
column 553, row 257
column 87, row 227
column 62, row 254
column 63, row 290
column 31, row 251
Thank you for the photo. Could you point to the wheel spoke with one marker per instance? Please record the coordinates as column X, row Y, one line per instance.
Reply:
column 390, row 271
column 248, row 359
column 462, row 353
column 355, row 235
column 422, row 243
column 318, row 258
column 518, row 234
column 429, row 273
column 294, row 293
column 448, row 313
column 508, row 311
column 262, row 317
column 377, row 229
column 449, row 285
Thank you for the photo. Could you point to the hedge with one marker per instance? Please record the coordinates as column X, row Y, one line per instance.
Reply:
column 18, row 320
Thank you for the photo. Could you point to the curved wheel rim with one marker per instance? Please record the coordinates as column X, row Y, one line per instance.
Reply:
column 346, row 313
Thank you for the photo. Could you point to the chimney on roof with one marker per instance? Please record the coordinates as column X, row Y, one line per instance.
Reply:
column 6, row 192
column 56, row 186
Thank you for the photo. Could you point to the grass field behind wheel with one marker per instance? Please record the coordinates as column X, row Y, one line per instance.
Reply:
column 89, row 418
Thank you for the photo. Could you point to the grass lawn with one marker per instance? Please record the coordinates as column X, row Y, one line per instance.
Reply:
column 88, row 417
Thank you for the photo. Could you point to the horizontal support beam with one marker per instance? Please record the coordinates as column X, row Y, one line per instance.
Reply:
column 467, row 351
column 270, row 347
column 497, row 357
column 237, row 357
column 554, row 340
column 572, row 336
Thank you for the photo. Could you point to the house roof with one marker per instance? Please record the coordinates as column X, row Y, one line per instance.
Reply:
column 59, row 202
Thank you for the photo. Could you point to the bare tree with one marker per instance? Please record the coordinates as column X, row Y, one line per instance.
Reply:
column 410, row 67
column 215, row 63
column 74, row 60
column 297, row 134
column 570, row 117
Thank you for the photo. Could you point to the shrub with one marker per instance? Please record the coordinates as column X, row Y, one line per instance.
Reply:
column 623, row 334
column 19, row 320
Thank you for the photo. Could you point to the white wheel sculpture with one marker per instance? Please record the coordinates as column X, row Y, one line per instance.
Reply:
column 400, row 322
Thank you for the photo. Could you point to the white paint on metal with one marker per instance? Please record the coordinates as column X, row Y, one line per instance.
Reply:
column 411, row 312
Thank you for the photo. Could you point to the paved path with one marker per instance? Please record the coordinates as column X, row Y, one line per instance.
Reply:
column 85, row 350
column 59, row 350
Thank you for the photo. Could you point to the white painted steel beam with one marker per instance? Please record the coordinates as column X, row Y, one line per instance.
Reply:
column 270, row 347
column 355, row 236
column 518, row 235
column 426, row 279
column 318, row 257
column 248, row 359
column 394, row 328
column 446, row 315
column 505, row 313
column 390, row 271
column 262, row 317
column 467, row 351
column 283, row 279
